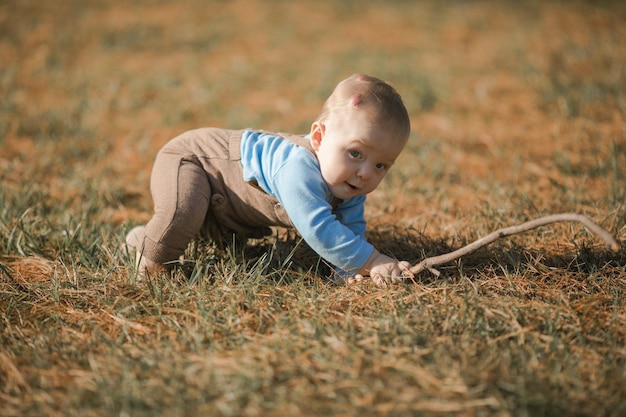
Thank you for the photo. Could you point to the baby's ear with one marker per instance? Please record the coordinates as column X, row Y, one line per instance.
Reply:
column 317, row 132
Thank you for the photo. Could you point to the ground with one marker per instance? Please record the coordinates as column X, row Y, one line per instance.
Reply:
column 517, row 109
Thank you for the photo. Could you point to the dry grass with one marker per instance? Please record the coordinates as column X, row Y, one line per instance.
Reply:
column 518, row 110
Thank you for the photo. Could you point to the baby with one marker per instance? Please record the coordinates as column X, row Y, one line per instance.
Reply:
column 223, row 182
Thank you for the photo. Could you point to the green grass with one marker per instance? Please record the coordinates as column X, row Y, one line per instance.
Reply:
column 517, row 111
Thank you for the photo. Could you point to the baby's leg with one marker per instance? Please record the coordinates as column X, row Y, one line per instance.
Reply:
column 181, row 193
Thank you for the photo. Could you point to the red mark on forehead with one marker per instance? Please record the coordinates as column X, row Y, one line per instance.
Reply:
column 356, row 100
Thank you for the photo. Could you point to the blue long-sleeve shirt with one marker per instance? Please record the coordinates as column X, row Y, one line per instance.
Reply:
column 291, row 173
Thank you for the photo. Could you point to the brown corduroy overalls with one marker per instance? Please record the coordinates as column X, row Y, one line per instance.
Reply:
column 198, row 189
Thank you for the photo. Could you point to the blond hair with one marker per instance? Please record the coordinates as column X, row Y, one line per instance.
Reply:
column 385, row 105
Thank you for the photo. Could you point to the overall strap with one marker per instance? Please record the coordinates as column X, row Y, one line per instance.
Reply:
column 299, row 140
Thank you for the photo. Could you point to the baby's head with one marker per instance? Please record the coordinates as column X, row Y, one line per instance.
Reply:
column 360, row 132
column 381, row 102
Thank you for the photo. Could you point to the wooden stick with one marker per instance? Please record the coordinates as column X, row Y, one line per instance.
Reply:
column 429, row 263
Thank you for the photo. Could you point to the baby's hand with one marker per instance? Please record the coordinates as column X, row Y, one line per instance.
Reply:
column 355, row 279
column 385, row 270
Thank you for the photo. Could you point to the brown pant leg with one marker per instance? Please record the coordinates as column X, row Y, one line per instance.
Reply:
column 181, row 193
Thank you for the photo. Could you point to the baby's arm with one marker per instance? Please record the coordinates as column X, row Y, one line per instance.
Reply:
column 337, row 237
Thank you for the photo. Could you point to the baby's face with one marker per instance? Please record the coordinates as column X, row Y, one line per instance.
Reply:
column 354, row 155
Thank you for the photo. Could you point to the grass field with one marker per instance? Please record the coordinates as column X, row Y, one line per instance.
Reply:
column 518, row 110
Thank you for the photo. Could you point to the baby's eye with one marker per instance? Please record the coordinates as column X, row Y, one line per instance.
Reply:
column 381, row 166
column 355, row 154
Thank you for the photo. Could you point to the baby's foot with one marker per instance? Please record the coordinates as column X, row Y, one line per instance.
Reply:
column 135, row 238
column 134, row 246
column 144, row 266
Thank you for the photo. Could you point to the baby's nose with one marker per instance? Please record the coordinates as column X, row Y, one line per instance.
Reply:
column 364, row 172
